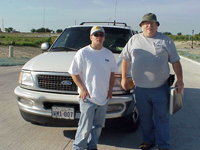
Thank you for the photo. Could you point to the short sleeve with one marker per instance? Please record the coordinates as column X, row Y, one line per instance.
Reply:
column 76, row 65
column 125, row 54
column 173, row 54
column 114, row 64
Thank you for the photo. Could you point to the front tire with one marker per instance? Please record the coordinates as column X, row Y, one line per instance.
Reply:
column 131, row 122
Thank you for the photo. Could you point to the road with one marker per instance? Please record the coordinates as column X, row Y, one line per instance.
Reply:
column 17, row 134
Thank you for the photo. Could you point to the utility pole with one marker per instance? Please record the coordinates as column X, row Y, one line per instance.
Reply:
column 2, row 25
column 44, row 20
column 192, row 38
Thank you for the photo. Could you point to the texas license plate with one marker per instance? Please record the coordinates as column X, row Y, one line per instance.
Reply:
column 63, row 112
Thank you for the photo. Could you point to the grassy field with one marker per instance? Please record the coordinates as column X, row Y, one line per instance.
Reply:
column 22, row 60
column 26, row 39
column 27, row 45
column 190, row 55
column 13, row 61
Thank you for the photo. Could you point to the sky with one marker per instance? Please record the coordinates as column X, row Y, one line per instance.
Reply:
column 175, row 16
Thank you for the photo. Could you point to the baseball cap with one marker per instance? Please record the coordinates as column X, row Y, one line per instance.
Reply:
column 96, row 29
column 149, row 17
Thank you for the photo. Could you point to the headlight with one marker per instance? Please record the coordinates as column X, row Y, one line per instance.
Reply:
column 25, row 78
column 117, row 84
column 130, row 83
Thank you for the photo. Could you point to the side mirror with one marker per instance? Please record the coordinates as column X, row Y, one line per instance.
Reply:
column 45, row 46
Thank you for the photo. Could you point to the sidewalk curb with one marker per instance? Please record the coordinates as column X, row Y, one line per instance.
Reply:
column 190, row 60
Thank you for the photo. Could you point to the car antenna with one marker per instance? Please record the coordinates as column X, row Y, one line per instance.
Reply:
column 115, row 11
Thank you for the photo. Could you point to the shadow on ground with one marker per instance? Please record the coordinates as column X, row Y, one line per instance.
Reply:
column 185, row 128
column 114, row 137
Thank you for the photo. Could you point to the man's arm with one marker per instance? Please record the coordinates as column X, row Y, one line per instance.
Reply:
column 79, row 83
column 178, row 71
column 111, row 84
column 125, row 67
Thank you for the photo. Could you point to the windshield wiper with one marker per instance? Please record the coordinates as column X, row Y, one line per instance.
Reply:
column 63, row 49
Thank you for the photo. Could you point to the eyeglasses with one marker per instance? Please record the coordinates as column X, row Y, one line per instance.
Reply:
column 146, row 23
column 97, row 35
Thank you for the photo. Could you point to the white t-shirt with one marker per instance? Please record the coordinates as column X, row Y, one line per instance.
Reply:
column 94, row 68
column 149, row 59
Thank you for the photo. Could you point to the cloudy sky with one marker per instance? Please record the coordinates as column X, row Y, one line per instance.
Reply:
column 175, row 16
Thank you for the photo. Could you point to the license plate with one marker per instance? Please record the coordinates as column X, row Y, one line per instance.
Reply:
column 63, row 112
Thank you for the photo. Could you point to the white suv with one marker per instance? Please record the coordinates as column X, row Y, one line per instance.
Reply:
column 47, row 94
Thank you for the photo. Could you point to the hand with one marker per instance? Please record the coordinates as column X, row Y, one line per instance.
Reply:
column 124, row 84
column 109, row 96
column 180, row 85
column 83, row 94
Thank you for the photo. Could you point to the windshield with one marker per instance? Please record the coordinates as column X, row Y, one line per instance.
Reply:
column 77, row 37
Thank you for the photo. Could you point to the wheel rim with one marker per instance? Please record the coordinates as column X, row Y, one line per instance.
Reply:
column 135, row 115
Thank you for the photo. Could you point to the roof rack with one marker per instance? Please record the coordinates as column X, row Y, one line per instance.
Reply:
column 114, row 23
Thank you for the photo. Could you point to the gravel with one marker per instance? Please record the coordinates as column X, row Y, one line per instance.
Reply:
column 18, row 52
column 22, row 54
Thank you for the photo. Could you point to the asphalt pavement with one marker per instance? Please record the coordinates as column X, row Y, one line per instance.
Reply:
column 17, row 134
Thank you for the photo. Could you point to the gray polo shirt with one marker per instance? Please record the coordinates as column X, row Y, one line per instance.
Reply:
column 149, row 59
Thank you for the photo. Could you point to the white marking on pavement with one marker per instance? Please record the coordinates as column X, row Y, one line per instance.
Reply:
column 195, row 62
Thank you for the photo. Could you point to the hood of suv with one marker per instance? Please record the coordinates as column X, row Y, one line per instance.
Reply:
column 55, row 62
column 50, row 61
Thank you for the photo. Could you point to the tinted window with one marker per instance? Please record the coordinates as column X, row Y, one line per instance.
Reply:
column 116, row 38
column 78, row 37
column 75, row 38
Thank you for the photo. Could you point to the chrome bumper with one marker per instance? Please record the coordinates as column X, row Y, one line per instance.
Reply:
column 32, row 102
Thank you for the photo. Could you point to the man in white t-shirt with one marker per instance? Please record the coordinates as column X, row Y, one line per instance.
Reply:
column 148, row 54
column 93, row 70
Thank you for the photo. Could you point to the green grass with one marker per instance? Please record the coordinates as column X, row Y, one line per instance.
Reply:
column 21, row 61
column 36, row 39
column 13, row 61
column 26, row 39
column 195, row 57
column 23, row 39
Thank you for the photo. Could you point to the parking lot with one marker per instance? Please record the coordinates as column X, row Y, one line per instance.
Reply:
column 17, row 134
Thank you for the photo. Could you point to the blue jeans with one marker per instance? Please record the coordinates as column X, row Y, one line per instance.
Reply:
column 153, row 107
column 91, row 121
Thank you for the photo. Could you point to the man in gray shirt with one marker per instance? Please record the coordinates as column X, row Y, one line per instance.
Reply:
column 148, row 54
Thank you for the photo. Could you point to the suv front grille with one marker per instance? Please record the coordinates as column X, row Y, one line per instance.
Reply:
column 54, row 82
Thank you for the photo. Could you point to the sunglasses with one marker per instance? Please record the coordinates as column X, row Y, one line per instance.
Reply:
column 97, row 35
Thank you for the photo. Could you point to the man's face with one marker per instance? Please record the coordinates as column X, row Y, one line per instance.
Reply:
column 98, row 38
column 149, row 28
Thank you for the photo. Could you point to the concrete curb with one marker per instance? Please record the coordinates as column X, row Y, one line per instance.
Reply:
column 190, row 60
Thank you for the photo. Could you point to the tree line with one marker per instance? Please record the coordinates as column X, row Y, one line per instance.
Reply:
column 45, row 30
column 40, row 30
column 177, row 37
column 180, row 37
